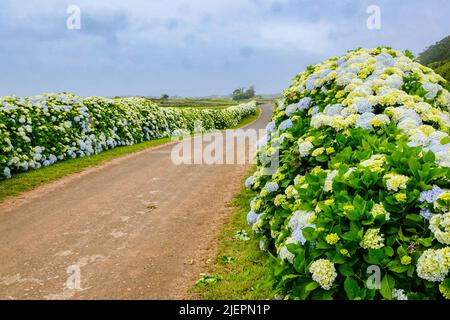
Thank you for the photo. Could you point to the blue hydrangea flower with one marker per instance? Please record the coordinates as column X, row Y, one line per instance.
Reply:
column 364, row 121
column 302, row 105
column 286, row 124
column 270, row 126
column 426, row 213
column 297, row 234
column 310, row 83
column 252, row 217
column 363, row 106
column 290, row 109
column 7, row 172
column 431, row 195
column 249, row 181
column 333, row 110
column 271, row 186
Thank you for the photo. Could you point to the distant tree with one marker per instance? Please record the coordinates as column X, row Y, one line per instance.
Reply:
column 250, row 92
column 164, row 96
column 242, row 93
column 238, row 94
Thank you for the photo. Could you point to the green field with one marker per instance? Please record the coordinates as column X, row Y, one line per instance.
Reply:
column 207, row 103
column 195, row 103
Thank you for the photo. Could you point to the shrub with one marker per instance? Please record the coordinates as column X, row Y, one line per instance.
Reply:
column 38, row 131
column 362, row 183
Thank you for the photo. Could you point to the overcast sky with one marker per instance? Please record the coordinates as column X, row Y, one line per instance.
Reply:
column 195, row 47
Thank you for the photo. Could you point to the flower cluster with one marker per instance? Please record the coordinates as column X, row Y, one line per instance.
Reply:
column 396, row 181
column 39, row 131
column 323, row 272
column 433, row 265
column 372, row 239
column 440, row 226
column 363, row 147
column 399, row 294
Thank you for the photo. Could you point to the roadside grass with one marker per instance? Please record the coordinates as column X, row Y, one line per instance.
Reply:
column 248, row 120
column 240, row 268
column 29, row 180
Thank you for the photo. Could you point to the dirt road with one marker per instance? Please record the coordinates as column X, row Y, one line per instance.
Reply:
column 138, row 227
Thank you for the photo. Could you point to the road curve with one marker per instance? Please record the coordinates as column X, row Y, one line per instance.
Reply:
column 138, row 227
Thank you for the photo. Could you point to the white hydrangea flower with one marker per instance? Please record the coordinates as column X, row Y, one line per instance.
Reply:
column 323, row 272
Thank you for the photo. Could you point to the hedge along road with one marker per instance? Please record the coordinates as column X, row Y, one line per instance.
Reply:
column 138, row 227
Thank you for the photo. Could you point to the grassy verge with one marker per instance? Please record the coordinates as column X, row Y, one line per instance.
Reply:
column 249, row 119
column 29, row 180
column 239, row 271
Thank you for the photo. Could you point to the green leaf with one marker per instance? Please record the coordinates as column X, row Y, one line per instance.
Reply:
column 376, row 256
column 351, row 236
column 426, row 242
column 346, row 270
column 299, row 262
column 414, row 166
column 308, row 233
column 387, row 285
column 351, row 288
column 397, row 267
column 414, row 217
column 446, row 283
column 311, row 286
column 401, row 251
column 306, row 289
column 401, row 236
column 354, row 215
column 429, row 157
column 389, row 251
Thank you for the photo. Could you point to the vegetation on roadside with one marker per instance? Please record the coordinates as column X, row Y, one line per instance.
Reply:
column 29, row 180
column 362, row 181
column 240, row 269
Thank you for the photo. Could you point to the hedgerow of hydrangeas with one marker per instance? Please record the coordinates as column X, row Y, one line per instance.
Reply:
column 39, row 131
column 363, row 180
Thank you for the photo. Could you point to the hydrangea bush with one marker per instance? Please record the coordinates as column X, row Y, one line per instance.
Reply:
column 362, row 184
column 38, row 131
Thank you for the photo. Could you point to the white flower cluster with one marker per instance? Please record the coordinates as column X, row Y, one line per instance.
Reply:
column 440, row 227
column 433, row 265
column 370, row 81
column 323, row 272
